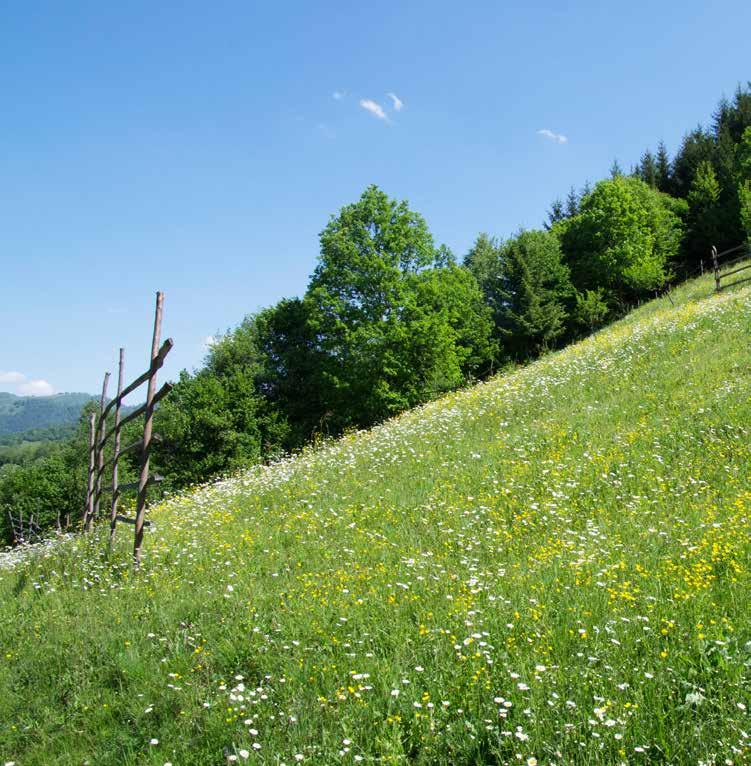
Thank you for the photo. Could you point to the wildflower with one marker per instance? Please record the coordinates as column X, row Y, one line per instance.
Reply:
column 694, row 698
column 244, row 754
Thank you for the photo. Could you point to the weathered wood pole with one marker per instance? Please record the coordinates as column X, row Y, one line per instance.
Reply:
column 716, row 266
column 100, row 434
column 143, row 479
column 88, row 516
column 116, row 448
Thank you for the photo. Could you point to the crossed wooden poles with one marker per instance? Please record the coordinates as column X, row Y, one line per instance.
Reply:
column 741, row 253
column 99, row 435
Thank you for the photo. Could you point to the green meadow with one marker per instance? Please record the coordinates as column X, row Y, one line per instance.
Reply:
column 551, row 567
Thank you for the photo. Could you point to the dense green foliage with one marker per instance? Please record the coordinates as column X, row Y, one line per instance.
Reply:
column 551, row 567
column 527, row 287
column 390, row 320
column 622, row 240
column 48, row 479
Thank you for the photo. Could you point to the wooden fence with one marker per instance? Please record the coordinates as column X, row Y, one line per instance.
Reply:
column 25, row 530
column 720, row 263
column 100, row 435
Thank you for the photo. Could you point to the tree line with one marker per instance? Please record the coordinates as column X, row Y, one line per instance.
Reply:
column 390, row 319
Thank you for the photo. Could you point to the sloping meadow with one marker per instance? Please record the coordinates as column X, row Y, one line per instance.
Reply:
column 550, row 567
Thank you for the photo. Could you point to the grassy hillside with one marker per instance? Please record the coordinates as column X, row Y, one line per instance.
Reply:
column 24, row 413
column 552, row 567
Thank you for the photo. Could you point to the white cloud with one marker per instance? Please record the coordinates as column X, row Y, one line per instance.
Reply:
column 35, row 388
column 559, row 138
column 398, row 104
column 374, row 108
column 17, row 383
column 12, row 377
column 338, row 95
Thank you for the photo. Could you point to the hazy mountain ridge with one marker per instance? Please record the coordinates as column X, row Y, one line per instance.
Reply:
column 23, row 413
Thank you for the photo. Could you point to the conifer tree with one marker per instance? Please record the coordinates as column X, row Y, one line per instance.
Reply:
column 572, row 203
column 662, row 163
column 555, row 214
column 534, row 289
column 648, row 169
column 704, row 229
column 696, row 147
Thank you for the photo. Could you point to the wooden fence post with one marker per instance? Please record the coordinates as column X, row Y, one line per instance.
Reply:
column 143, row 479
column 88, row 512
column 116, row 451
column 716, row 269
column 100, row 434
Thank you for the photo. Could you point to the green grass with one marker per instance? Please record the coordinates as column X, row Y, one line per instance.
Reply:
column 553, row 565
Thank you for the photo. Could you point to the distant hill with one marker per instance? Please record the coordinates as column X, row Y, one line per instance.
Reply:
column 24, row 413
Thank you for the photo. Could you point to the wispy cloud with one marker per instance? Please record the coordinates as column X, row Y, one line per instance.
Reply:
column 559, row 138
column 374, row 108
column 22, row 385
column 338, row 95
column 397, row 103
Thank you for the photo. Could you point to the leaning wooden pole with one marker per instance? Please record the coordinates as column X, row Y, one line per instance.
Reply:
column 116, row 449
column 143, row 479
column 716, row 266
column 100, row 437
column 88, row 516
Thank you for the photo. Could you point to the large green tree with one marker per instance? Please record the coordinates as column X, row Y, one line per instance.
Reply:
column 624, row 239
column 367, row 296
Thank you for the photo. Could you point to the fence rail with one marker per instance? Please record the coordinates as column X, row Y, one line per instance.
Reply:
column 740, row 253
column 100, row 436
column 25, row 530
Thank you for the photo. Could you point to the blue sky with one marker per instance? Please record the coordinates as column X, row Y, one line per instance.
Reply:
column 199, row 148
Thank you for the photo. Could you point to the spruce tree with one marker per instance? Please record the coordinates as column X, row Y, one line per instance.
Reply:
column 704, row 229
column 572, row 203
column 535, row 288
column 696, row 147
column 555, row 214
column 662, row 163
column 648, row 169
